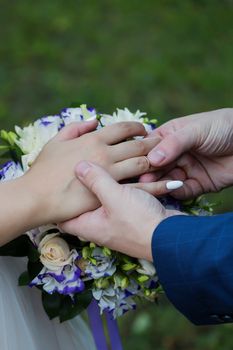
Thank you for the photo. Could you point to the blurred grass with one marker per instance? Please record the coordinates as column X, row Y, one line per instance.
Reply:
column 169, row 58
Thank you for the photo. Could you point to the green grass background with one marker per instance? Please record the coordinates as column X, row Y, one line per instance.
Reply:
column 169, row 58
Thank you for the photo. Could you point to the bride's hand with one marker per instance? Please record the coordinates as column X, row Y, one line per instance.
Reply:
column 198, row 150
column 51, row 178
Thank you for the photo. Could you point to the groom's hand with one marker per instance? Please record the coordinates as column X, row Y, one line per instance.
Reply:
column 126, row 219
column 198, row 150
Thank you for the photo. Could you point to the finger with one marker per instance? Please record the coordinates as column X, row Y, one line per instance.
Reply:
column 176, row 174
column 118, row 132
column 133, row 148
column 172, row 146
column 151, row 177
column 191, row 188
column 158, row 173
column 154, row 134
column 130, row 168
column 98, row 181
column 74, row 130
column 159, row 188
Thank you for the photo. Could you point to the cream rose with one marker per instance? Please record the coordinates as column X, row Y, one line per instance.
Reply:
column 54, row 252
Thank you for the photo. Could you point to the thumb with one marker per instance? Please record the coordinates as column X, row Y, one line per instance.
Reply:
column 99, row 181
column 172, row 146
column 74, row 130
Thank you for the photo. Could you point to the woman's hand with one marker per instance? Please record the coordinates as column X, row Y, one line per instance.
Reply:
column 26, row 201
column 52, row 180
column 198, row 150
column 126, row 219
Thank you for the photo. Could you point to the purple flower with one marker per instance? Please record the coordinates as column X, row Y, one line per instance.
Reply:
column 10, row 171
column 66, row 282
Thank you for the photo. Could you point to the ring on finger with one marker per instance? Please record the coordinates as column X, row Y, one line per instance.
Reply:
column 148, row 162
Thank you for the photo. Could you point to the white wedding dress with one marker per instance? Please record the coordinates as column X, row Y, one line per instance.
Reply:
column 24, row 324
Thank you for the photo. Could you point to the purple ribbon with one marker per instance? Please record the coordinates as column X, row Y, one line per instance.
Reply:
column 98, row 329
column 97, row 326
column 113, row 331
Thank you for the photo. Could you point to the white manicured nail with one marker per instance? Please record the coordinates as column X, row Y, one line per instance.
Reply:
column 174, row 185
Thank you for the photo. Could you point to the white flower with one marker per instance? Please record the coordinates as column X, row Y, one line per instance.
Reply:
column 147, row 268
column 10, row 171
column 32, row 138
column 55, row 252
column 122, row 115
column 104, row 266
column 73, row 115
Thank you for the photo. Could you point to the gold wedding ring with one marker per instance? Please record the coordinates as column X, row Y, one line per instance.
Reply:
column 148, row 162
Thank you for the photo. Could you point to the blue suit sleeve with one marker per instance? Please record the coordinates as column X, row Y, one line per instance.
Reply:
column 193, row 257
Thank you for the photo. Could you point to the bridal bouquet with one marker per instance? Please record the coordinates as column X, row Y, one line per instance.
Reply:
column 69, row 272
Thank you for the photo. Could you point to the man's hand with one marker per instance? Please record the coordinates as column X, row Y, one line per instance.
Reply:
column 126, row 219
column 198, row 150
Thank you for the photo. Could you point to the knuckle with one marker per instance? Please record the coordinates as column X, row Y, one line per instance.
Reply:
column 102, row 158
column 185, row 161
column 131, row 128
column 127, row 128
column 92, row 139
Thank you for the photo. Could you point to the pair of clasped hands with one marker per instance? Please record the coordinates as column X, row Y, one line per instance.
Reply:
column 185, row 157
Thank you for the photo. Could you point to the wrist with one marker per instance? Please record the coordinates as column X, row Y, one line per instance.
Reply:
column 34, row 201
column 19, row 213
column 154, row 224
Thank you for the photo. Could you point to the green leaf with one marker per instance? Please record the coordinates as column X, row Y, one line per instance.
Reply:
column 6, row 155
column 12, row 137
column 16, row 154
column 34, row 268
column 70, row 309
column 52, row 304
column 33, row 254
column 4, row 136
column 24, row 279
column 18, row 247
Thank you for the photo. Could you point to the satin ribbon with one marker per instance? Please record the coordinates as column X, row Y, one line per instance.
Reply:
column 97, row 328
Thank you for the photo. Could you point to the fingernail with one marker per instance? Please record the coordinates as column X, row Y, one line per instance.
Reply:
column 156, row 157
column 174, row 185
column 82, row 168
